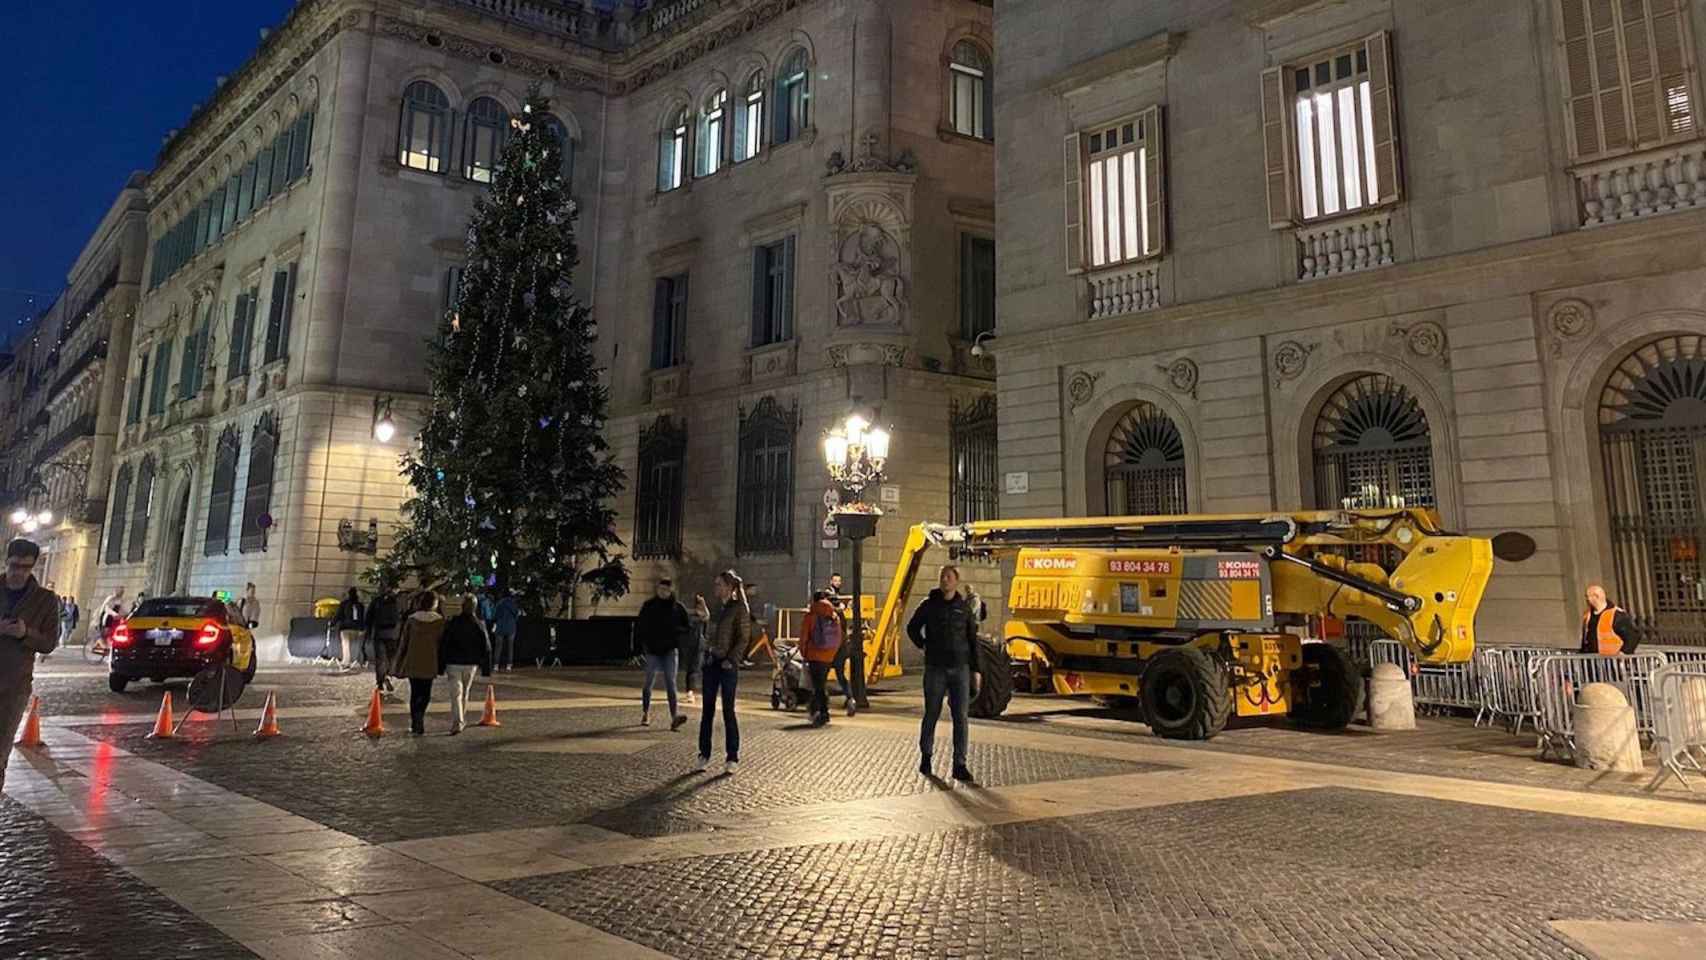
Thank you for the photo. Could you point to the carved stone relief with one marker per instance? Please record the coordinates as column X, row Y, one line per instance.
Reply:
column 1182, row 375
column 1081, row 387
column 1291, row 358
column 871, row 253
column 1426, row 340
column 1568, row 320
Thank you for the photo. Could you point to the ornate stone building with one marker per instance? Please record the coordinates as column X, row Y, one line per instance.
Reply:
column 818, row 172
column 1318, row 252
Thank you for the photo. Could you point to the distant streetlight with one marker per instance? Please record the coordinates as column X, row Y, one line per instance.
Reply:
column 856, row 455
column 384, row 428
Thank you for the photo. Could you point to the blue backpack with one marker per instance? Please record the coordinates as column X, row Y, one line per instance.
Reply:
column 825, row 636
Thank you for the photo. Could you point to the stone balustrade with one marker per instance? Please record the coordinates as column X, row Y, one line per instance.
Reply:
column 1643, row 185
column 1129, row 289
column 665, row 14
column 552, row 16
column 1344, row 246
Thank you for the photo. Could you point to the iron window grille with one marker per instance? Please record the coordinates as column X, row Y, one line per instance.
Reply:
column 219, row 497
column 257, row 498
column 661, row 490
column 764, row 494
column 1144, row 465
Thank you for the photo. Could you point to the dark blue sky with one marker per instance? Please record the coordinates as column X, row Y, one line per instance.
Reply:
column 99, row 83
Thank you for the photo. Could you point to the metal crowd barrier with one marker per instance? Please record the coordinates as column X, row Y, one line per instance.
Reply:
column 1505, row 678
column 1679, row 705
column 1558, row 678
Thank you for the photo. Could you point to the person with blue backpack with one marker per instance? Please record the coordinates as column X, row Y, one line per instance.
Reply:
column 820, row 641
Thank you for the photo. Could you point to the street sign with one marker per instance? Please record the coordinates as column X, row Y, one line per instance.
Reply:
column 831, row 529
column 831, row 544
column 890, row 495
column 1018, row 483
column 831, row 499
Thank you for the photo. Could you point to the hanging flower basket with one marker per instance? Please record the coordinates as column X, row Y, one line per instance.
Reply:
column 858, row 524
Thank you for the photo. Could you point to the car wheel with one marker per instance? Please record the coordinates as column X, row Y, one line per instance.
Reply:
column 116, row 683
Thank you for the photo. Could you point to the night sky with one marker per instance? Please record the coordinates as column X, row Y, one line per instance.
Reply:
column 99, row 82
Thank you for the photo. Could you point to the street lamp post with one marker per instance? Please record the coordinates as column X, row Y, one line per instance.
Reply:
column 856, row 454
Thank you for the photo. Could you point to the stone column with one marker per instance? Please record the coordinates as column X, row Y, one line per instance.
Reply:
column 871, row 76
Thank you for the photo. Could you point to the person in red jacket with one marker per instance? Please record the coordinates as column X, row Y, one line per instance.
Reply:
column 820, row 640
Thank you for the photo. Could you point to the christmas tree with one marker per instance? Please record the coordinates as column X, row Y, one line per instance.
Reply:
column 512, row 476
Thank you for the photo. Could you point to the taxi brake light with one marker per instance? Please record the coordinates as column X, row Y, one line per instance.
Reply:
column 121, row 635
column 209, row 635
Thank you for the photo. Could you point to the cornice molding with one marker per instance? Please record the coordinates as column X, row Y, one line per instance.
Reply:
column 1266, row 13
column 1151, row 50
column 468, row 48
column 659, row 55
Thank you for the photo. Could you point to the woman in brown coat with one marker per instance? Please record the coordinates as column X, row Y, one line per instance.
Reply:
column 418, row 656
column 730, row 633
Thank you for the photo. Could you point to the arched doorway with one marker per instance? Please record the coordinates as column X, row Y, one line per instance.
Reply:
column 172, row 558
column 1144, row 464
column 1652, row 432
column 1373, row 447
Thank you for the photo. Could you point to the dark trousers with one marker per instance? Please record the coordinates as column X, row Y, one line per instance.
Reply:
column 955, row 684
column 820, row 690
column 384, row 651
column 720, row 681
column 843, row 671
column 420, row 694
column 692, row 653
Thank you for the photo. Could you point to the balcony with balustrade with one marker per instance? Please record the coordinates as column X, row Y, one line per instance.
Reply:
column 1647, row 184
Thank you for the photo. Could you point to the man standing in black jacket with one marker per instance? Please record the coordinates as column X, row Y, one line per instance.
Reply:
column 946, row 629
column 661, row 628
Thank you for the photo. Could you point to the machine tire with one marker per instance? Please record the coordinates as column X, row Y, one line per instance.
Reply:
column 1184, row 695
column 254, row 664
column 995, row 689
column 1337, row 700
column 116, row 683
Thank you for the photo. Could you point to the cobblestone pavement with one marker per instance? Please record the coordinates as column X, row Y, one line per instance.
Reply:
column 592, row 765
column 61, row 901
column 1316, row 873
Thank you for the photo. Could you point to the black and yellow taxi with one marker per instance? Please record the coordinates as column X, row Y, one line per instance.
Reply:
column 170, row 637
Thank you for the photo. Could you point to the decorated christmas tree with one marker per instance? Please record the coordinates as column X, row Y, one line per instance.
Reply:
column 512, row 476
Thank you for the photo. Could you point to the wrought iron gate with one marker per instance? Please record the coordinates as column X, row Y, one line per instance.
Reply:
column 1145, row 465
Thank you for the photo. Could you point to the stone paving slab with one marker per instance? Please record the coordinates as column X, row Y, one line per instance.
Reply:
column 1314, row 873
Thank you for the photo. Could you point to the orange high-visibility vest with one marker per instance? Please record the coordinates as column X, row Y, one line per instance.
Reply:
column 1605, row 630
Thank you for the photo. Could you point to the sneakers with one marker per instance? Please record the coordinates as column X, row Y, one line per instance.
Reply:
column 675, row 724
column 455, row 729
column 691, row 699
column 730, row 767
column 702, row 765
column 852, row 708
column 645, row 719
column 924, row 766
column 963, row 774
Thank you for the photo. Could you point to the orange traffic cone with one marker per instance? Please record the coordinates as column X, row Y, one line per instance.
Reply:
column 375, row 721
column 491, row 717
column 269, row 719
column 163, row 722
column 32, row 725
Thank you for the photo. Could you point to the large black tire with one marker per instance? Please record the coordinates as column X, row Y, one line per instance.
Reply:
column 1184, row 695
column 995, row 689
column 116, row 683
column 1327, row 693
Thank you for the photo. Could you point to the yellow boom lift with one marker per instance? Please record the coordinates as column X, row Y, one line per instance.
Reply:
column 1201, row 617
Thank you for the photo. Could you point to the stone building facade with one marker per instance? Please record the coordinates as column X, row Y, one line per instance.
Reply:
column 1318, row 252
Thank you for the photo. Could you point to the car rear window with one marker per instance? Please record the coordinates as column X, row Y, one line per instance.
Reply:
column 181, row 607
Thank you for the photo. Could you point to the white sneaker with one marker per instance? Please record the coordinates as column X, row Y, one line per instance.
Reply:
column 691, row 699
column 702, row 765
column 730, row 767
column 645, row 719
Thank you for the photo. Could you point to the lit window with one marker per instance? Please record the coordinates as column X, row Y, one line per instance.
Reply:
column 1334, row 107
column 793, row 98
column 423, row 138
column 749, row 121
column 672, row 151
column 711, row 132
column 968, row 79
column 1124, row 197
column 483, row 143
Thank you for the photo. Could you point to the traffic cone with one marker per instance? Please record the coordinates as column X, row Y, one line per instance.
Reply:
column 375, row 720
column 163, row 722
column 491, row 717
column 269, row 719
column 31, row 736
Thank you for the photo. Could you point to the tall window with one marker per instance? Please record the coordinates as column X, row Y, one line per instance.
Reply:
column 219, row 498
column 162, row 379
column 301, row 140
column 1122, row 204
column 977, row 286
column 669, row 321
column 188, row 366
column 749, row 118
column 974, row 491
column 242, row 333
column 764, row 494
column 423, row 134
column 278, row 314
column 672, row 150
column 793, row 98
column 969, row 107
column 558, row 132
column 712, row 119
column 1342, row 154
column 144, row 505
column 773, row 292
column 1626, row 69
column 658, row 505
column 245, row 189
column 116, row 515
column 137, row 394
column 1144, row 465
column 257, row 498
column 483, row 142
column 452, row 288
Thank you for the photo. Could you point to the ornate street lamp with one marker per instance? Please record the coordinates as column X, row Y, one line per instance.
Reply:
column 856, row 454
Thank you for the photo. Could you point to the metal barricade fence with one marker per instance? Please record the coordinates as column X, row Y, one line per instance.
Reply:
column 1558, row 678
column 1679, row 705
column 1505, row 678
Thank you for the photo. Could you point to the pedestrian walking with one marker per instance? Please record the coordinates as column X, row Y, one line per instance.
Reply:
column 693, row 648
column 945, row 627
column 352, row 624
column 842, row 664
column 728, row 637
column 249, row 609
column 506, row 621
column 418, row 657
column 820, row 643
column 69, row 616
column 1607, row 629
column 141, row 595
column 113, row 609
column 466, row 650
column 29, row 625
column 661, row 629
column 383, row 622
column 488, row 608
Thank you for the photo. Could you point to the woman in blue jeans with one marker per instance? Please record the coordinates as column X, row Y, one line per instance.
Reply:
column 730, row 632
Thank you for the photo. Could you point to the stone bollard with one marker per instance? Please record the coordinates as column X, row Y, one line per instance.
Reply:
column 1391, row 706
column 1606, row 738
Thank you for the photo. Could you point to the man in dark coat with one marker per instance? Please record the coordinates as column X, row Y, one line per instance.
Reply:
column 661, row 629
column 383, row 621
column 945, row 627
column 1607, row 629
column 29, row 625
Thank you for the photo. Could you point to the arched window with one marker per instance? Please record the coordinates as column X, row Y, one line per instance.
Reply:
column 423, row 129
column 1373, row 447
column 672, row 150
column 713, row 121
column 1144, row 464
column 257, row 499
column 793, row 97
column 969, row 108
column 660, row 490
column 749, row 118
column 483, row 142
column 219, row 499
column 116, row 515
column 555, row 129
column 1652, row 434
column 144, row 505
column 764, row 494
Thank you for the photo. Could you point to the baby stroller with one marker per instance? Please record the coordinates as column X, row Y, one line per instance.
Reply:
column 790, row 684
